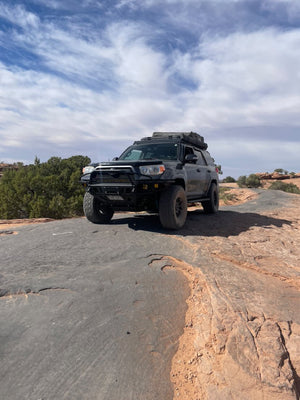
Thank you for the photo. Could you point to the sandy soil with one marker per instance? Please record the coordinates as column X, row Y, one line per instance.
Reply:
column 8, row 224
column 265, row 183
column 240, row 196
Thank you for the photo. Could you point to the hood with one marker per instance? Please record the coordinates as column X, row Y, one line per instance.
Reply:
column 136, row 163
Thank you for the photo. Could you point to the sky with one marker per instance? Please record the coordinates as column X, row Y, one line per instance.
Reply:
column 91, row 76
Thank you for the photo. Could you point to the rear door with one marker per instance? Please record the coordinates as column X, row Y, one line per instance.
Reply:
column 204, row 173
column 192, row 185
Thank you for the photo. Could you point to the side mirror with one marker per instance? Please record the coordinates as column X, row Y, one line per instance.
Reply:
column 115, row 158
column 190, row 158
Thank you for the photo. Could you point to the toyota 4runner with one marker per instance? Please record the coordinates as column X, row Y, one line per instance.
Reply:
column 163, row 173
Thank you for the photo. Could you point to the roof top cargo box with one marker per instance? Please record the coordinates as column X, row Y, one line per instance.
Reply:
column 189, row 137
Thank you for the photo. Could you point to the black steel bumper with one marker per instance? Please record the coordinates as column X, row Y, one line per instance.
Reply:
column 138, row 196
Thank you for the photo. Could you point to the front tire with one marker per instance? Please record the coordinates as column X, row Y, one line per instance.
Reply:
column 95, row 211
column 173, row 207
column 211, row 206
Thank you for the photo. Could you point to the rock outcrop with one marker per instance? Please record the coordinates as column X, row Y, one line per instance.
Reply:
column 276, row 176
column 242, row 333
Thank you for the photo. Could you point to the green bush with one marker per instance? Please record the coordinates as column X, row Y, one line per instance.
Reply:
column 242, row 181
column 43, row 190
column 228, row 179
column 286, row 187
column 252, row 181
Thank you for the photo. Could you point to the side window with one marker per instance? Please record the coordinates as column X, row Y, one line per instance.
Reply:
column 201, row 159
column 188, row 150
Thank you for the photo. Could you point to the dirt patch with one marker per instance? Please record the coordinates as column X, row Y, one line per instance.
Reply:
column 266, row 183
column 232, row 185
column 11, row 223
column 238, row 196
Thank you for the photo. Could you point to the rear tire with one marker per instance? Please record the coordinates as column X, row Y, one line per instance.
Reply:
column 211, row 206
column 95, row 211
column 173, row 207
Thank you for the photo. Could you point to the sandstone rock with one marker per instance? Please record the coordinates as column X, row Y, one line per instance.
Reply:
column 244, row 339
column 276, row 175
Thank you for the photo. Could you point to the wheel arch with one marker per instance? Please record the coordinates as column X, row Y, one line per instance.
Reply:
column 180, row 182
column 215, row 181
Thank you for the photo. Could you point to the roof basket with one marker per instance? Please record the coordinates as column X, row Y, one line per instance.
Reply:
column 188, row 137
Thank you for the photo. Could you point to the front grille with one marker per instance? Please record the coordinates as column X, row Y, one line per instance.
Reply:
column 112, row 176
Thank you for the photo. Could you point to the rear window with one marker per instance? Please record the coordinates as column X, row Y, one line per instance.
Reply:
column 208, row 158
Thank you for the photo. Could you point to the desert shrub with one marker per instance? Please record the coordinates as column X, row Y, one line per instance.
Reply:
column 252, row 181
column 281, row 171
column 242, row 181
column 286, row 187
column 228, row 179
column 225, row 196
column 49, row 189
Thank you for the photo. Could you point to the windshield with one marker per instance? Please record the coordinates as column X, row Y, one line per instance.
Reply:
column 151, row 151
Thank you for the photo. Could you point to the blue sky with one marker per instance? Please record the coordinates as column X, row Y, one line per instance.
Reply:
column 89, row 77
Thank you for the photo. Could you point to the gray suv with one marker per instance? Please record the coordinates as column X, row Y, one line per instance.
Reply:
column 163, row 173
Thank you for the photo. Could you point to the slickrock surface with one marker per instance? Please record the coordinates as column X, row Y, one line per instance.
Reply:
column 242, row 333
column 241, row 339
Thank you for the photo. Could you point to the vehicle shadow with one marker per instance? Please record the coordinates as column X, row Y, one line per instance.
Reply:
column 223, row 224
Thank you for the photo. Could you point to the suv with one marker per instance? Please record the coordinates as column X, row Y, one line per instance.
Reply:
column 163, row 173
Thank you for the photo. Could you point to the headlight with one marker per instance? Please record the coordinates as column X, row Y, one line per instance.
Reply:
column 88, row 169
column 152, row 169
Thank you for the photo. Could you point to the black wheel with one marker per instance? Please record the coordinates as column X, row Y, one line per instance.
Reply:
column 211, row 206
column 95, row 211
column 173, row 208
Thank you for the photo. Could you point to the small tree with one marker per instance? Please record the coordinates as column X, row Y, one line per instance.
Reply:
column 278, row 170
column 49, row 189
column 242, row 181
column 228, row 179
column 253, row 181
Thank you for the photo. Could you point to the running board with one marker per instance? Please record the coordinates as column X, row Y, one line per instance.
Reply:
column 198, row 200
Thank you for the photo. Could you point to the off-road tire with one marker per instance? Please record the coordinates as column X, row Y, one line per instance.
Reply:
column 211, row 206
column 173, row 207
column 95, row 211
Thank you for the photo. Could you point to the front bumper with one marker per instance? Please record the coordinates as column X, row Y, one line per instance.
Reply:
column 136, row 196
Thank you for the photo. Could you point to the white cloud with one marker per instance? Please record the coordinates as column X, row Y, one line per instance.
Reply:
column 111, row 86
column 18, row 15
column 137, row 66
column 244, row 79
